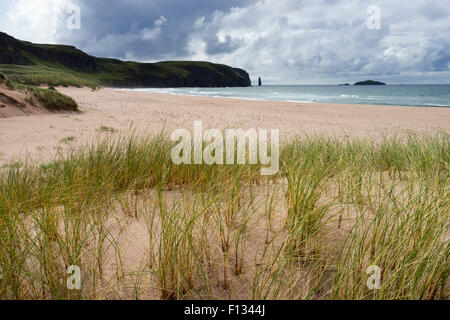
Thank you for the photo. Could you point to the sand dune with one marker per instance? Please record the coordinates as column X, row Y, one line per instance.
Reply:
column 14, row 103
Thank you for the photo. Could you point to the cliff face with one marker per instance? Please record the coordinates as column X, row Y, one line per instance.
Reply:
column 172, row 74
column 112, row 72
column 9, row 53
column 13, row 51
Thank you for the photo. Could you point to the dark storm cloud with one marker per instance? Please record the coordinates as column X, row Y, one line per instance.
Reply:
column 215, row 46
column 442, row 59
column 118, row 28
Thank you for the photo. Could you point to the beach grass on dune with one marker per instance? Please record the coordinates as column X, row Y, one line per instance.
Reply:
column 50, row 98
column 139, row 226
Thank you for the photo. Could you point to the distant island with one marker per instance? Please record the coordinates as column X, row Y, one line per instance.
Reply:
column 370, row 83
column 36, row 64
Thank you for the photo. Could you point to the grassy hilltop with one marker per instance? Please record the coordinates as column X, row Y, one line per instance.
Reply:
column 36, row 64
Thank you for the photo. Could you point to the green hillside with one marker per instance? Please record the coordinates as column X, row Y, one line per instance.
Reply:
column 38, row 74
column 36, row 64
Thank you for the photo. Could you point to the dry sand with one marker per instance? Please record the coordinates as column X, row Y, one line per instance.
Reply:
column 42, row 134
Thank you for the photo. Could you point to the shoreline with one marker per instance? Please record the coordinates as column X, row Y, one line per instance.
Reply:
column 149, row 90
column 114, row 112
column 137, row 90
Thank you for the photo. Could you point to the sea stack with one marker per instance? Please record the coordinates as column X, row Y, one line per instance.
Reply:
column 259, row 82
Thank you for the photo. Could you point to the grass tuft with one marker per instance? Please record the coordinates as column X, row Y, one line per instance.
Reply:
column 50, row 98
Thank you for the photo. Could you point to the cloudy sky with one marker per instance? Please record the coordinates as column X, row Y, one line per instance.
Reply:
column 283, row 41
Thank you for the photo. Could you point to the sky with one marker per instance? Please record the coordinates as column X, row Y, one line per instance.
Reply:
column 283, row 41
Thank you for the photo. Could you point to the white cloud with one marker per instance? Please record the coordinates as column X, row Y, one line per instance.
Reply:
column 151, row 34
column 34, row 20
column 324, row 41
column 161, row 21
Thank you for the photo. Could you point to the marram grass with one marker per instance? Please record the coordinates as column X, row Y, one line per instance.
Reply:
column 140, row 227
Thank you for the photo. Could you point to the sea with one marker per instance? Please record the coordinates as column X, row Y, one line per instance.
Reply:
column 394, row 95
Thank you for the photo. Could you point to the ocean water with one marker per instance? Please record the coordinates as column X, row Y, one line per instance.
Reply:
column 402, row 95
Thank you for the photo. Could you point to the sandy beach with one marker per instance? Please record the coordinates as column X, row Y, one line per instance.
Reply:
column 42, row 134
column 271, row 150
